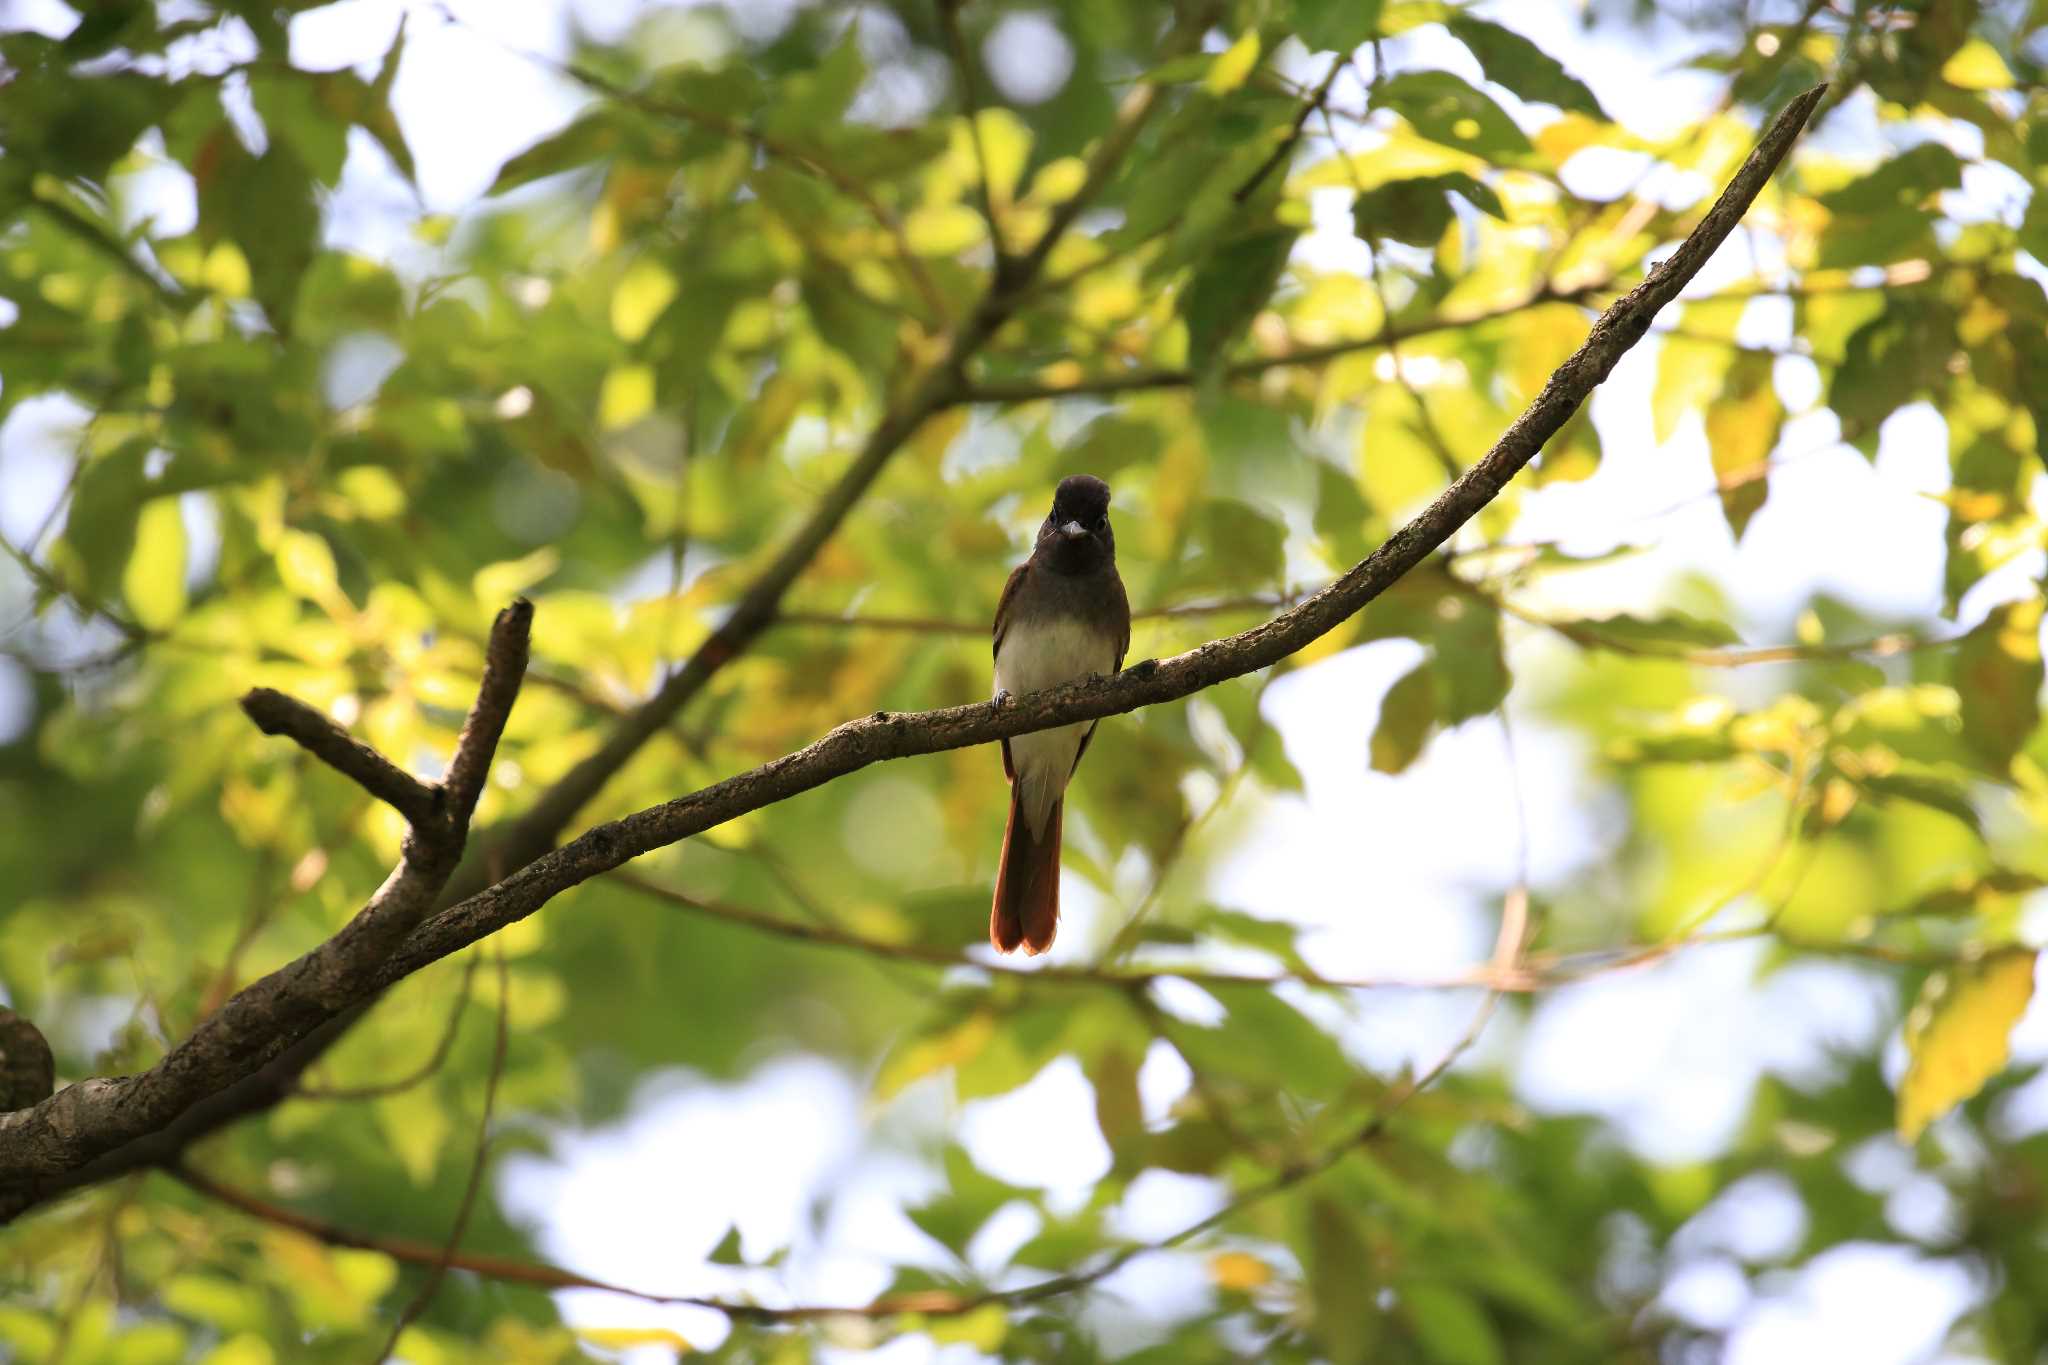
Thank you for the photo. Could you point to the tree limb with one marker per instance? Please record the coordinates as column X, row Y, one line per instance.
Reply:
column 536, row 831
column 44, row 1148
column 274, row 713
column 229, row 1063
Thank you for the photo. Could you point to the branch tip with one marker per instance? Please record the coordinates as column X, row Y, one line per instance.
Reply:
column 276, row 713
column 505, row 660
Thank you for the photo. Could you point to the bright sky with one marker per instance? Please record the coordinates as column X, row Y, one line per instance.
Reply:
column 1669, row 1055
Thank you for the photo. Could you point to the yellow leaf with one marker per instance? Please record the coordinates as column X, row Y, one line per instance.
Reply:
column 627, row 396
column 306, row 566
column 1959, row 1034
column 415, row 1125
column 371, row 491
column 246, row 1349
column 1059, row 180
column 982, row 1329
column 619, row 1338
column 955, row 1047
column 942, row 229
column 1239, row 1270
column 226, row 271
column 642, row 293
column 1977, row 66
column 1740, row 433
column 497, row 584
column 1006, row 147
column 154, row 581
column 1234, row 66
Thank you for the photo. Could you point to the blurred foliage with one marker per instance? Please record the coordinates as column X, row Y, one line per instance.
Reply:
column 621, row 381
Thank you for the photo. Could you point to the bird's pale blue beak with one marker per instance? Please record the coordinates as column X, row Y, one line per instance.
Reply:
column 1073, row 530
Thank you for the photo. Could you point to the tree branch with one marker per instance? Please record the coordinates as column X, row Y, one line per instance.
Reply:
column 228, row 1063
column 274, row 713
column 1139, row 381
column 45, row 1148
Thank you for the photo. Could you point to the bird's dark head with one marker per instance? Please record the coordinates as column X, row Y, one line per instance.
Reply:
column 1075, row 537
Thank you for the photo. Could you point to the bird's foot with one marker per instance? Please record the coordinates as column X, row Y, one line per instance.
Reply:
column 1000, row 699
column 1144, row 668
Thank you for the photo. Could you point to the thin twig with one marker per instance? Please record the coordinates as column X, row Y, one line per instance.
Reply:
column 426, row 1069
column 449, row 1250
column 1140, row 380
column 970, row 100
column 1285, row 147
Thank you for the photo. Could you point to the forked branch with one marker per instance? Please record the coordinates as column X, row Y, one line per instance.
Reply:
column 60, row 1143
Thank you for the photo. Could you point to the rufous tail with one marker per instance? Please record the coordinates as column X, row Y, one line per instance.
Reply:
column 1026, row 912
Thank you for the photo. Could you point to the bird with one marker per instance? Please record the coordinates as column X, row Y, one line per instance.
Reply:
column 1063, row 615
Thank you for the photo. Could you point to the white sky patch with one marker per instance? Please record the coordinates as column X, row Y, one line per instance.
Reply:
column 1862, row 1301
column 1028, row 56
column 1041, row 1135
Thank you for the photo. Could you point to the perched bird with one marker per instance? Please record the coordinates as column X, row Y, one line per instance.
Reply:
column 1063, row 616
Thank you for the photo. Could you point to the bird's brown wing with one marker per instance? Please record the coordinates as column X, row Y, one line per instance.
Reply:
column 1002, row 624
column 1123, row 646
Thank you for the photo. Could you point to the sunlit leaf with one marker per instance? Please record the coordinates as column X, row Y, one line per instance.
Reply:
column 1958, row 1036
column 154, row 584
column 1233, row 65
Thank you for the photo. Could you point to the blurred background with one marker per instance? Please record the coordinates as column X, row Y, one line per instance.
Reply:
column 324, row 330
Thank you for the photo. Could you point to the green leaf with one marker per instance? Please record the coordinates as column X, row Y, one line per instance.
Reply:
column 1999, row 673
column 1471, row 672
column 264, row 206
column 1267, row 935
column 1447, row 110
column 1932, row 792
column 591, row 137
column 1450, row 1324
column 1114, row 1076
column 1339, row 26
column 1510, row 60
column 1906, row 181
column 100, row 523
column 970, row 1196
column 1407, row 715
column 1417, row 210
column 1896, row 357
column 1228, row 290
column 1346, row 1320
column 1675, row 628
column 727, row 1252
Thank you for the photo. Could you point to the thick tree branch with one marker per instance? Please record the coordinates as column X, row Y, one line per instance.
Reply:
column 229, row 1063
column 43, row 1148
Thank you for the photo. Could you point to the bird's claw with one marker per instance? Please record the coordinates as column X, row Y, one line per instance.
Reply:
column 1000, row 699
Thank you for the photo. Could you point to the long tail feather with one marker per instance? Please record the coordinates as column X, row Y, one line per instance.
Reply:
column 1026, row 912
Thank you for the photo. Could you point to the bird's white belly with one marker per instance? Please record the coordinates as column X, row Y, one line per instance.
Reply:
column 1032, row 658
